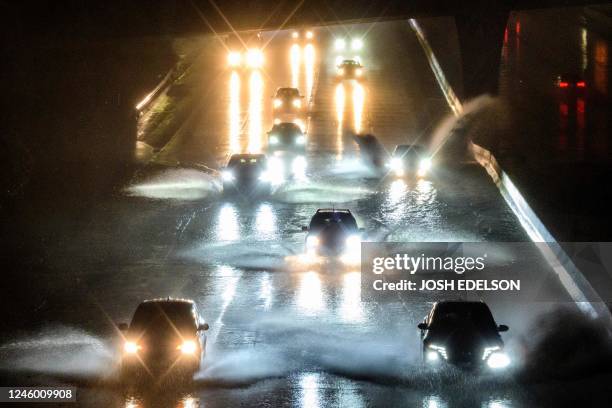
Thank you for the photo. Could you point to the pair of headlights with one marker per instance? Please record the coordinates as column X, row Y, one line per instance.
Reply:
column 353, row 242
column 254, row 58
column 278, row 102
column 186, row 347
column 494, row 357
column 356, row 44
column 300, row 140
column 397, row 165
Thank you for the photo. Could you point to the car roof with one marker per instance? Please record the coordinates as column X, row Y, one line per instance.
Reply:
column 168, row 300
column 287, row 89
column 334, row 210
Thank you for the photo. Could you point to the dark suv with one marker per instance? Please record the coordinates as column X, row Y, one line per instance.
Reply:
column 164, row 339
column 333, row 232
column 246, row 173
column 463, row 334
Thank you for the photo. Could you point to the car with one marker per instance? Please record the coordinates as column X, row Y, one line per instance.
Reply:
column 303, row 34
column 244, row 50
column 348, row 44
column 463, row 334
column 570, row 82
column 286, row 137
column 247, row 173
column 287, row 100
column 410, row 159
column 333, row 232
column 350, row 69
column 164, row 339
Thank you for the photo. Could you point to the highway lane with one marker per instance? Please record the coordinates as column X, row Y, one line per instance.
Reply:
column 282, row 333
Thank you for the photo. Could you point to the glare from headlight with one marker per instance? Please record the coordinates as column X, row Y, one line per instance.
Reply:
column 234, row 58
column 396, row 164
column 341, row 71
column 425, row 164
column 357, row 44
column 309, row 35
column 340, row 44
column 297, row 103
column 227, row 175
column 353, row 242
column 300, row 140
column 273, row 140
column 295, row 34
column 312, row 242
column 437, row 349
column 339, row 60
column 278, row 102
column 255, row 58
column 298, row 167
column 130, row 347
column 432, row 356
column 358, row 71
column 188, row 347
column 498, row 360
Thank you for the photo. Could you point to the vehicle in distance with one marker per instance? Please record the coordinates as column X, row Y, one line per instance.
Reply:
column 165, row 338
column 246, row 173
column 463, row 334
column 286, row 137
column 287, row 100
column 348, row 44
column 350, row 69
column 333, row 232
column 570, row 82
column 244, row 50
column 302, row 34
column 410, row 159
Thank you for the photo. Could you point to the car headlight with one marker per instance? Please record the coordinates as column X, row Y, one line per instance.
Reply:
column 234, row 58
column 255, row 58
column 340, row 44
column 131, row 347
column 498, row 359
column 297, row 103
column 295, row 34
column 396, row 164
column 353, row 242
column 300, row 140
column 425, row 164
column 434, row 352
column 273, row 140
column 359, row 71
column 357, row 44
column 188, row 347
column 309, row 35
column 227, row 175
column 340, row 71
column 312, row 242
column 278, row 102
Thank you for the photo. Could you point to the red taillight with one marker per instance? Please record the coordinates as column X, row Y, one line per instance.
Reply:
column 581, row 84
column 563, row 84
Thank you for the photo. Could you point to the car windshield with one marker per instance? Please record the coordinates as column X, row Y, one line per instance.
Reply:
column 409, row 150
column 163, row 317
column 451, row 315
column 349, row 62
column 324, row 218
column 287, row 93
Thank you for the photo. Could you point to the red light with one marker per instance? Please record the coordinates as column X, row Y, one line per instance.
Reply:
column 518, row 27
column 563, row 84
column 581, row 84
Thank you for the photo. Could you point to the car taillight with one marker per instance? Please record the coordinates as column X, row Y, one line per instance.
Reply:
column 581, row 84
column 563, row 84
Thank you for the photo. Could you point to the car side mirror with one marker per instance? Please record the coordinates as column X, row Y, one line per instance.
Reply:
column 304, row 228
column 203, row 327
column 122, row 326
column 422, row 326
column 502, row 328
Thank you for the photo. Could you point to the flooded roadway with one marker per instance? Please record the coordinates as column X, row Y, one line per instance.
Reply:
column 282, row 333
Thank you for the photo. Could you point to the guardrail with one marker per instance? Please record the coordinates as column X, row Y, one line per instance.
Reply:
column 572, row 279
column 143, row 106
